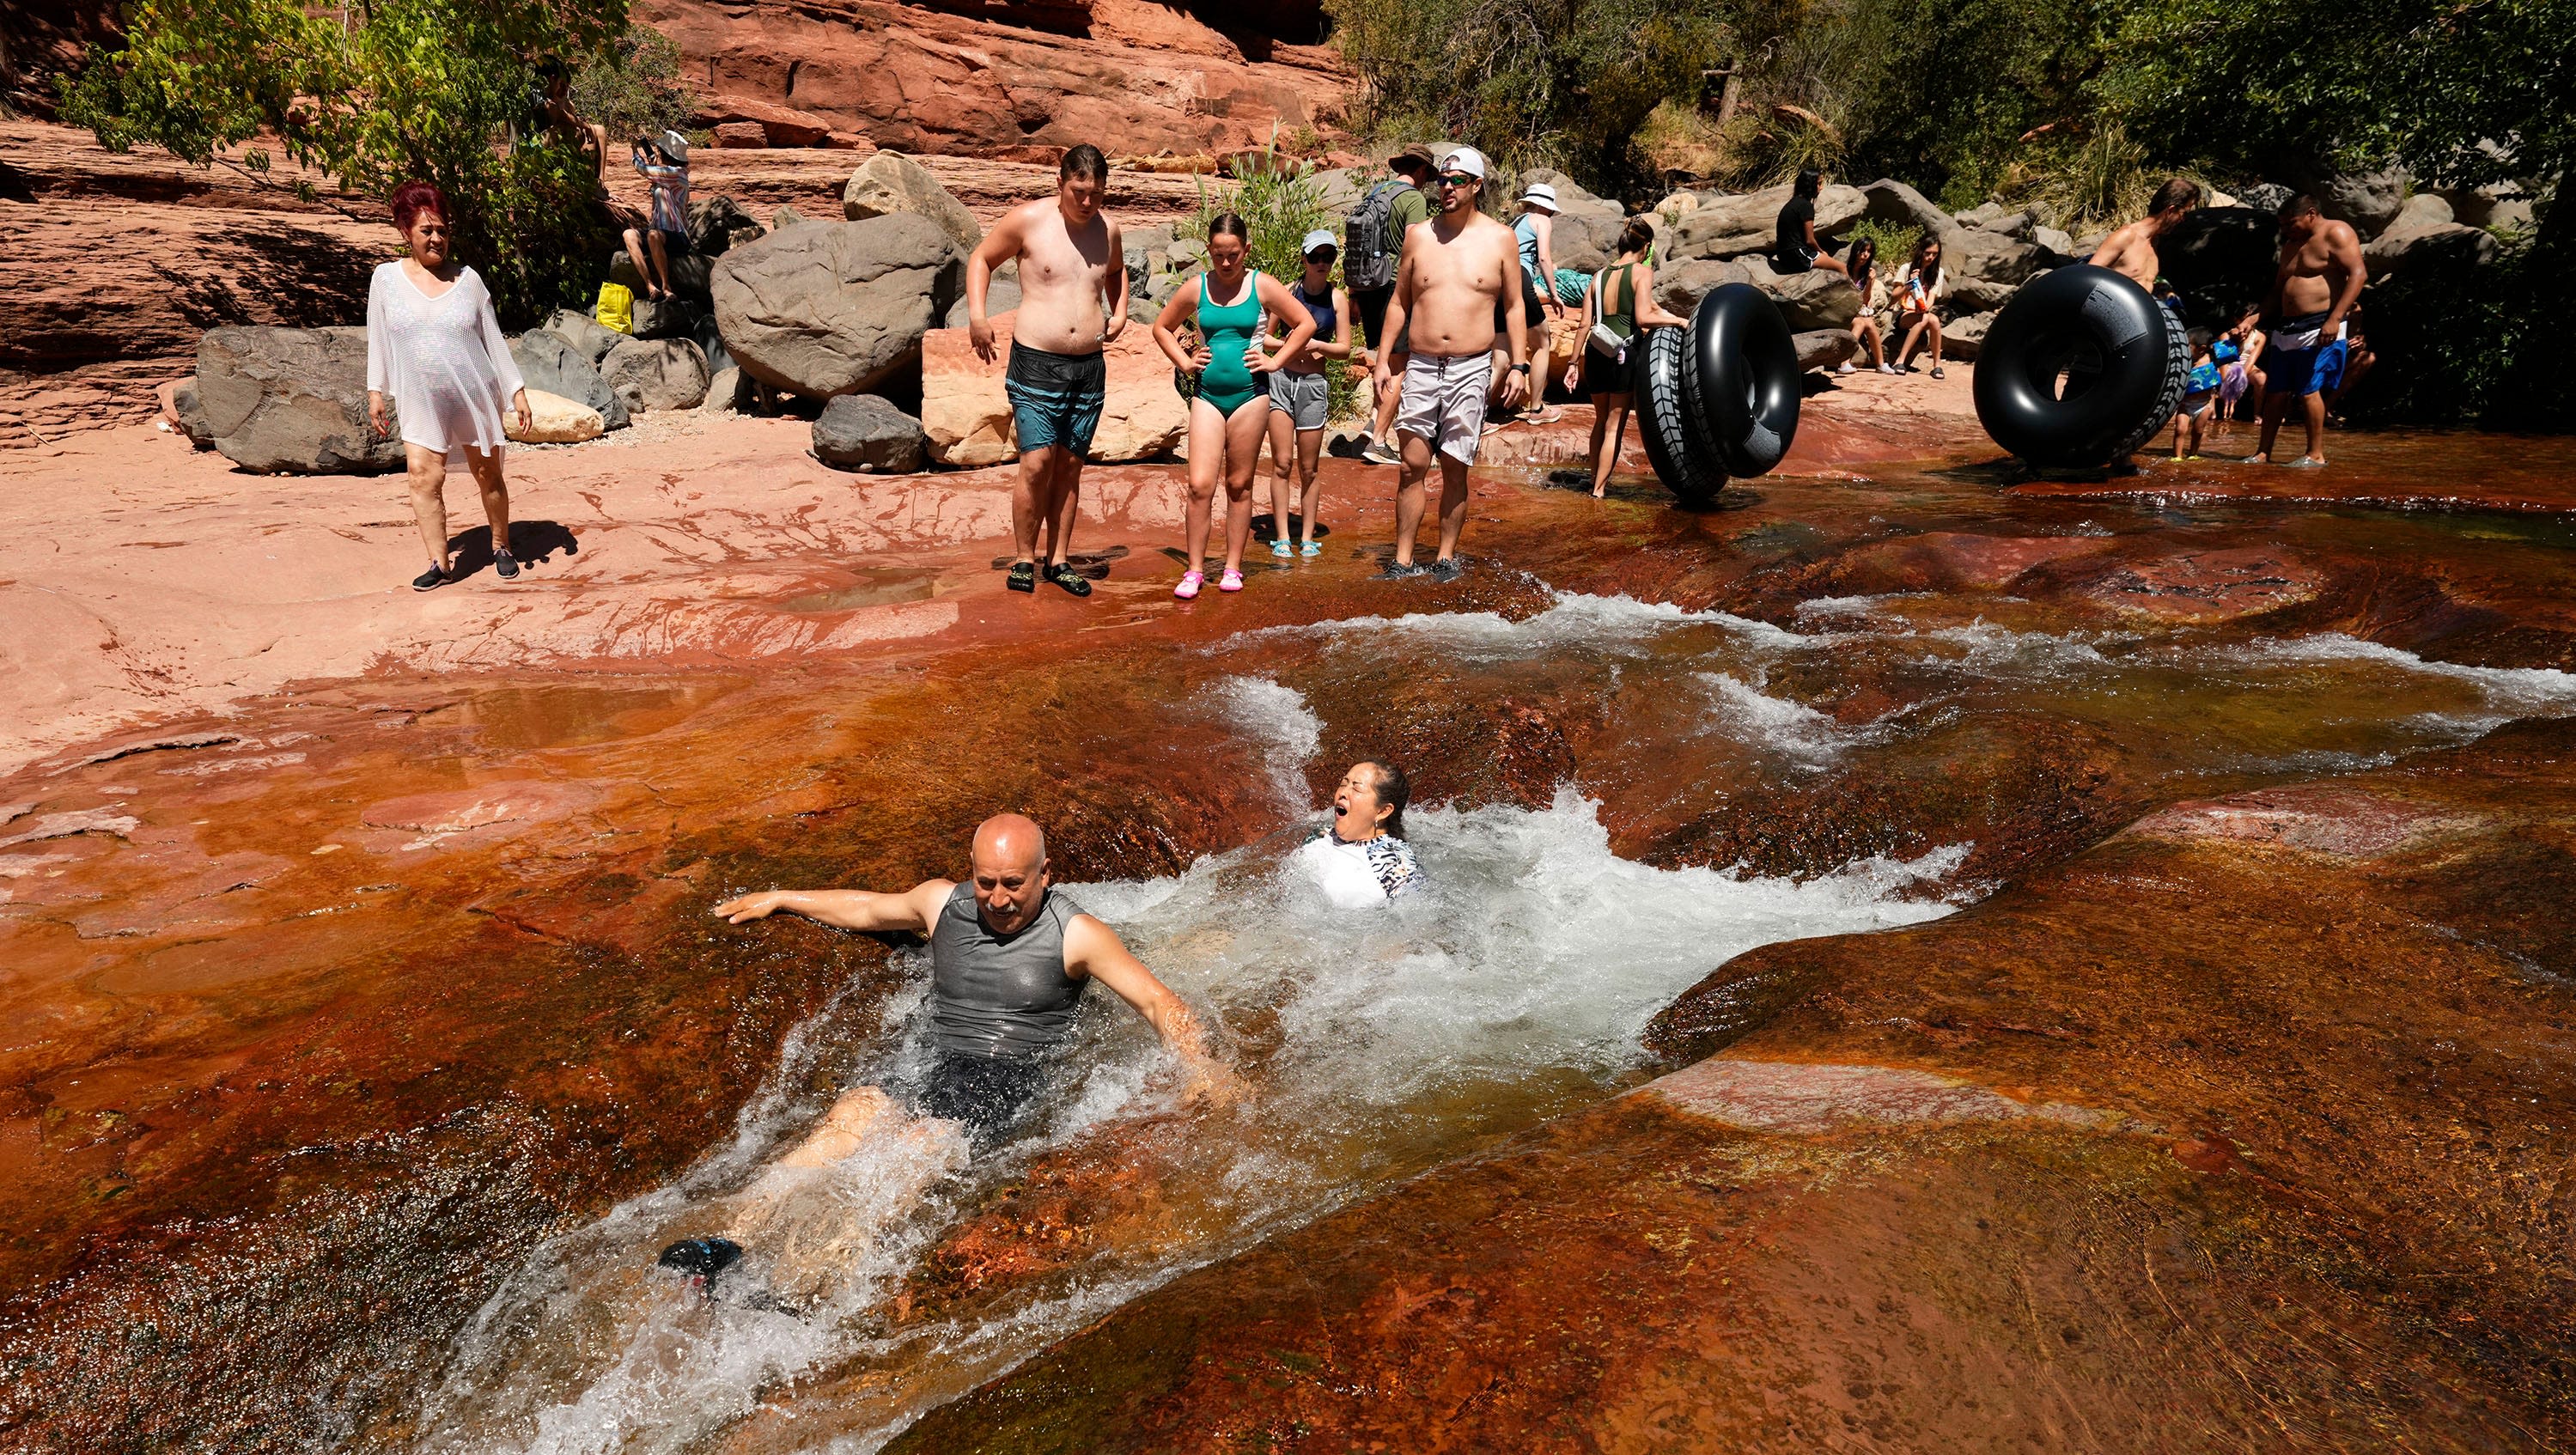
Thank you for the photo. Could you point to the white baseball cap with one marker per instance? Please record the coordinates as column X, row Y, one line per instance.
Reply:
column 1319, row 238
column 1467, row 160
column 1540, row 194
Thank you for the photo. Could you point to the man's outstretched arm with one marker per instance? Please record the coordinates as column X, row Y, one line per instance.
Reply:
column 1094, row 949
column 851, row 909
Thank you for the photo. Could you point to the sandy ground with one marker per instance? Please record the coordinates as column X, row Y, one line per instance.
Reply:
column 143, row 581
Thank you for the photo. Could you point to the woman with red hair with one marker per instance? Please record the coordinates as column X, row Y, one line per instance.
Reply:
column 435, row 346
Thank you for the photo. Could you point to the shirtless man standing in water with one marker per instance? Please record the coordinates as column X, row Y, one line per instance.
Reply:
column 2131, row 250
column 1459, row 271
column 2318, row 284
column 1073, row 303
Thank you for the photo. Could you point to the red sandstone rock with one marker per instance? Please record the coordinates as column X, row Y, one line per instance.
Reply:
column 740, row 134
column 2321, row 818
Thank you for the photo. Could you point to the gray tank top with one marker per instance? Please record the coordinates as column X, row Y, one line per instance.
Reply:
column 997, row 996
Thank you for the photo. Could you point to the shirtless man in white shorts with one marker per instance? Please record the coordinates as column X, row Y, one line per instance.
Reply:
column 1073, row 303
column 1459, row 270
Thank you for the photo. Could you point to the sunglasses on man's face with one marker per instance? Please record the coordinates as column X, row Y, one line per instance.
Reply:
column 1457, row 179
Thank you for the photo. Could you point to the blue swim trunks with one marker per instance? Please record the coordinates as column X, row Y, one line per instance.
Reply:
column 1055, row 398
column 2312, row 370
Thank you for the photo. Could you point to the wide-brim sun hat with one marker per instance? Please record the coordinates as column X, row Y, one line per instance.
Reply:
column 675, row 146
column 1319, row 238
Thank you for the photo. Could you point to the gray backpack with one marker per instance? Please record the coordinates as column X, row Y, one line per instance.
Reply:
column 1368, row 258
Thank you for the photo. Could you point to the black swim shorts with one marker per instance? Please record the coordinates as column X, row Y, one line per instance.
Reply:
column 1055, row 398
column 988, row 1093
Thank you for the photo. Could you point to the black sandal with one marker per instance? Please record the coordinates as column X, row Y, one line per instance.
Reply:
column 1063, row 574
column 1024, row 576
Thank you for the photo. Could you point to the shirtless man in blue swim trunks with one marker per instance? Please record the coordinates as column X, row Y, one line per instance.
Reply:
column 2319, row 282
column 1073, row 303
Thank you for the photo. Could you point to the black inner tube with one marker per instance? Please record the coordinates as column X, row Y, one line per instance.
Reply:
column 1748, row 378
column 2079, row 369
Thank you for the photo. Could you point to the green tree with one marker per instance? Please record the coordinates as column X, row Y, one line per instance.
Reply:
column 373, row 96
column 632, row 88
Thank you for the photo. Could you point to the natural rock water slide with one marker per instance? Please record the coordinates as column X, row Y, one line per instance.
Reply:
column 2124, row 918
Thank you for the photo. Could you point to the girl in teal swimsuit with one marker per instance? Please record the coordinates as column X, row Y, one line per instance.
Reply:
column 1232, row 406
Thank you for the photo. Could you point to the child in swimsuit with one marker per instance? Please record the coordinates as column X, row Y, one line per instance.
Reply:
column 2198, row 392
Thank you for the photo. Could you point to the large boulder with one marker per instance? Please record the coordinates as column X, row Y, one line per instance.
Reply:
column 718, row 225
column 690, row 274
column 1732, row 227
column 826, row 308
column 1680, row 286
column 1816, row 299
column 2263, row 197
column 547, row 360
column 729, row 392
column 891, row 183
column 1975, row 295
column 554, row 420
column 666, row 318
column 1001, row 295
column 586, row 334
column 1586, row 241
column 969, row 421
column 659, row 373
column 1962, row 337
column 1993, row 256
column 2057, row 243
column 2370, row 201
column 2445, row 243
column 863, row 432
column 1571, row 197
column 2495, row 205
column 1891, row 201
column 291, row 401
column 1823, row 348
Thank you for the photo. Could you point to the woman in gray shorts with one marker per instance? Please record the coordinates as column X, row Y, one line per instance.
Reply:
column 1297, row 397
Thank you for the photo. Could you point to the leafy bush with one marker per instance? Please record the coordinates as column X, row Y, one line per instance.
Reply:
column 632, row 87
column 373, row 97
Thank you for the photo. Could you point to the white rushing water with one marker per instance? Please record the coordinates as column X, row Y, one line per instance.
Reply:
column 1374, row 1043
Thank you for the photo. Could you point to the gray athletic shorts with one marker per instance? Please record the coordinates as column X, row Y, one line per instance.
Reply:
column 1301, row 396
column 1444, row 402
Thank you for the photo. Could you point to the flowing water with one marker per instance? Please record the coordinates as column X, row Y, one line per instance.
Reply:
column 1376, row 1044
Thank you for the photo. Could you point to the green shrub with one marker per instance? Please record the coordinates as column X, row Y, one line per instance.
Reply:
column 632, row 87
column 394, row 91
column 1279, row 203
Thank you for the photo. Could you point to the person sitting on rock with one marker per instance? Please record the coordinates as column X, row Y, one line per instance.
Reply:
column 1795, row 247
column 435, row 346
column 664, row 161
column 1917, row 292
column 1862, row 265
column 1073, row 305
column 2131, row 250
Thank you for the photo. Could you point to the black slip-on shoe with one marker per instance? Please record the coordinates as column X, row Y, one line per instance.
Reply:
column 430, row 580
column 505, row 564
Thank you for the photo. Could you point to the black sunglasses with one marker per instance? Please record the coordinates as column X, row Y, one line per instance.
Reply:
column 1457, row 179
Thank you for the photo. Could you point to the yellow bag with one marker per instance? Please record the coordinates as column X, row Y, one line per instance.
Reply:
column 616, row 307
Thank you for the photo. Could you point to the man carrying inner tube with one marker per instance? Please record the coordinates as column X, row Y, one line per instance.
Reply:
column 1009, row 957
column 2131, row 251
column 2319, row 282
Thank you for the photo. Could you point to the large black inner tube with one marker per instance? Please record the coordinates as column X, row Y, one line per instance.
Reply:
column 1691, row 472
column 1745, row 368
column 2080, row 369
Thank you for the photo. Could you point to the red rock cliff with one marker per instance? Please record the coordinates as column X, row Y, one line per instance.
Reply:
column 1017, row 78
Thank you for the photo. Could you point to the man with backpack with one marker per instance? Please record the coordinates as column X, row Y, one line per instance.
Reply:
column 1375, row 234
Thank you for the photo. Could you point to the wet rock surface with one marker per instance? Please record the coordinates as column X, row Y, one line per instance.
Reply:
column 2240, row 1054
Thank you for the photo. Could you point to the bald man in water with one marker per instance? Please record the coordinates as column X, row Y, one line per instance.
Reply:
column 1009, row 958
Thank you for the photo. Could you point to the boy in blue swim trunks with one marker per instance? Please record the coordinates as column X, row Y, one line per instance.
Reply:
column 1073, row 303
column 2199, row 392
column 2318, row 284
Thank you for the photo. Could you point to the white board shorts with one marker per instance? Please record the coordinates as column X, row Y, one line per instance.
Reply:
column 1444, row 402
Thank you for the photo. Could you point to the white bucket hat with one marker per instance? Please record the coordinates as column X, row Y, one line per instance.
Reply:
column 1539, row 194
column 675, row 146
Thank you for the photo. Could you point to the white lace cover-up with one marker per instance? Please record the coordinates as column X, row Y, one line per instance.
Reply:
column 441, row 360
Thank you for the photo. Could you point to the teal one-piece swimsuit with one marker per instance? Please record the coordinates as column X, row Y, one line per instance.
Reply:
column 1227, row 381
